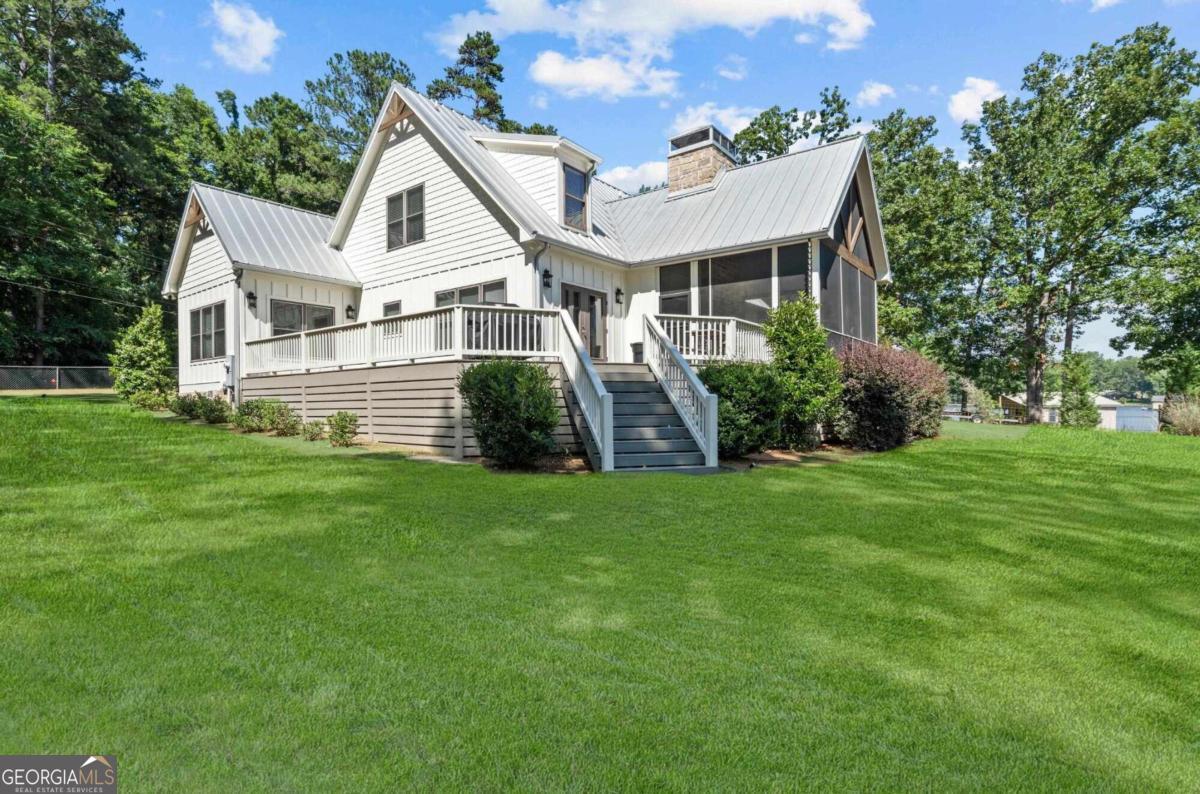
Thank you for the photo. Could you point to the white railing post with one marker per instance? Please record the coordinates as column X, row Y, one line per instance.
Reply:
column 731, row 341
column 370, row 343
column 303, row 351
column 458, row 332
column 606, row 421
column 710, row 431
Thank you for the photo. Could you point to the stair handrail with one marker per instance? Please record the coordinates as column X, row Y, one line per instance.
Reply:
column 595, row 402
column 694, row 403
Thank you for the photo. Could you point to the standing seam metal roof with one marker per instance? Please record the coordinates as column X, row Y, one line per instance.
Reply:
column 263, row 234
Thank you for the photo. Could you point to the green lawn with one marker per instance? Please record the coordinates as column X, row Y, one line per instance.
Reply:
column 998, row 608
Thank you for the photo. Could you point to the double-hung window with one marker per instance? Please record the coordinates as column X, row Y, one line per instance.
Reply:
column 208, row 332
column 288, row 317
column 575, row 184
column 406, row 217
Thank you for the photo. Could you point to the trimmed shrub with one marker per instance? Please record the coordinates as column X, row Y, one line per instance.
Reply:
column 284, row 420
column 343, row 427
column 251, row 416
column 213, row 410
column 808, row 371
column 141, row 362
column 513, row 410
column 187, row 405
column 749, row 401
column 312, row 431
column 1078, row 406
column 889, row 397
column 1181, row 416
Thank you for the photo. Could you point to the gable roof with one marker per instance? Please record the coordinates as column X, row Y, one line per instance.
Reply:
column 790, row 197
column 263, row 235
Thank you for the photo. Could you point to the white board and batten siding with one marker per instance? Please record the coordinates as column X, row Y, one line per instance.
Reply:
column 208, row 279
column 256, row 323
column 465, row 241
column 579, row 271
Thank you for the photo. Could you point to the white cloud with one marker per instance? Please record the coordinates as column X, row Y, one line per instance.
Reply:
column 604, row 76
column 1100, row 5
column 540, row 101
column 629, row 40
column 245, row 40
column 732, row 119
column 733, row 68
column 804, row 38
column 630, row 177
column 967, row 104
column 873, row 93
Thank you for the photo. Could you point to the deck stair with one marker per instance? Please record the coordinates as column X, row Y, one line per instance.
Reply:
column 648, row 434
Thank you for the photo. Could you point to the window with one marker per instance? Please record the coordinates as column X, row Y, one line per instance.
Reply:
column 831, row 289
column 675, row 289
column 208, row 332
column 575, row 198
column 741, row 285
column 391, row 309
column 289, row 318
column 406, row 218
column 793, row 271
column 491, row 293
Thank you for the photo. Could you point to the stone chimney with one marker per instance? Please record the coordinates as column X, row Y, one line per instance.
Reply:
column 697, row 156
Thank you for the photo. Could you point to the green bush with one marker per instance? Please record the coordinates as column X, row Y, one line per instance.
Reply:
column 513, row 409
column 187, row 405
column 343, row 427
column 312, row 431
column 889, row 397
column 808, row 371
column 1078, row 406
column 251, row 416
column 213, row 410
column 284, row 420
column 142, row 362
column 749, row 402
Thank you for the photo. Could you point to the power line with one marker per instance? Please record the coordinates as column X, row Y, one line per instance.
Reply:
column 112, row 301
column 142, row 258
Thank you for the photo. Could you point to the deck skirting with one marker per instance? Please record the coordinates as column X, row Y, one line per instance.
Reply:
column 413, row 405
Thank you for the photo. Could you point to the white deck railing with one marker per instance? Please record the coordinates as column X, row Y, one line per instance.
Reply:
column 715, row 338
column 696, row 405
column 449, row 333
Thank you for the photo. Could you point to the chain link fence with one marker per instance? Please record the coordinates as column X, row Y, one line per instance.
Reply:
column 54, row 378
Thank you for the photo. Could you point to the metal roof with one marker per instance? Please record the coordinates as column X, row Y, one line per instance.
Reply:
column 265, row 235
column 792, row 196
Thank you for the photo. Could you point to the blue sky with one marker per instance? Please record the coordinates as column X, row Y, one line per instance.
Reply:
column 619, row 76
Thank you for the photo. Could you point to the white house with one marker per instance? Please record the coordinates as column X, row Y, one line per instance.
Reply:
column 1013, row 406
column 455, row 242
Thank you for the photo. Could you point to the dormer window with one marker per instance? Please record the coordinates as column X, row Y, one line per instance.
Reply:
column 575, row 198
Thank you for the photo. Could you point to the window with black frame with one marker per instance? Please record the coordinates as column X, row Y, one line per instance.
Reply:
column 406, row 218
column 491, row 293
column 575, row 198
column 206, row 327
column 290, row 317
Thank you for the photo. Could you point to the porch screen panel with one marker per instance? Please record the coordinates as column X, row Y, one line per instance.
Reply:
column 741, row 286
column 675, row 289
column 831, row 290
column 851, row 308
column 702, row 277
column 793, row 272
column 866, row 287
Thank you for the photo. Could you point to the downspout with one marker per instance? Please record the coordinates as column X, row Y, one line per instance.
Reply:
column 537, row 275
column 235, row 390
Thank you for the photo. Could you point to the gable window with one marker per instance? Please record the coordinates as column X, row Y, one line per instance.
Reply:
column 575, row 198
column 406, row 218
column 207, row 331
column 490, row 294
column 391, row 309
column 675, row 289
column 288, row 317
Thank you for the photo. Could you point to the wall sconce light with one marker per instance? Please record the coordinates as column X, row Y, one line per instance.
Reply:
column 619, row 295
column 351, row 313
column 252, row 300
column 547, row 278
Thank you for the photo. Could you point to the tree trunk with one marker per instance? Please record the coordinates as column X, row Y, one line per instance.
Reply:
column 39, row 326
column 1069, row 333
column 1035, row 381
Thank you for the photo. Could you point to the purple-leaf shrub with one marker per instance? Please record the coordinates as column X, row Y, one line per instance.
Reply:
column 889, row 397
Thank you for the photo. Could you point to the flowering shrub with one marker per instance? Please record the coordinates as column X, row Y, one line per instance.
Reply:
column 889, row 397
column 343, row 427
column 312, row 431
